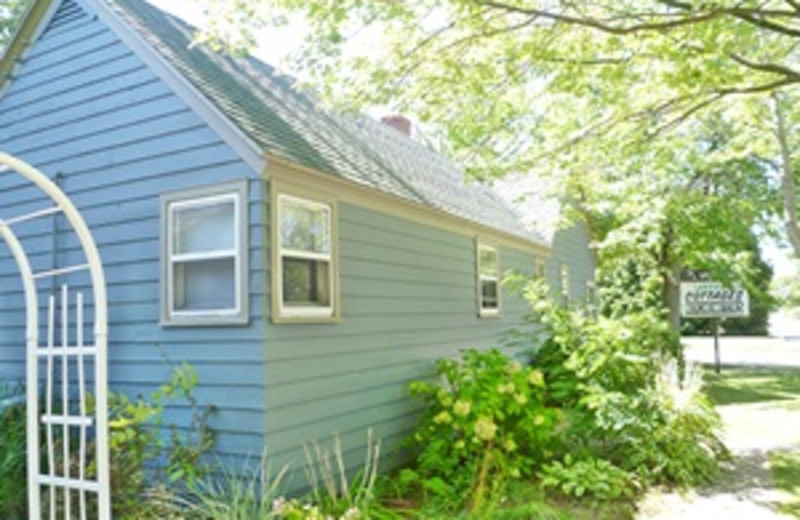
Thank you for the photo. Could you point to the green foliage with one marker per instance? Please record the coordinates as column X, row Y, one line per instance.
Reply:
column 137, row 446
column 656, row 120
column 332, row 492
column 13, row 463
column 257, row 494
column 485, row 423
column 594, row 478
column 606, row 411
column 234, row 494
column 758, row 282
column 10, row 14
column 634, row 405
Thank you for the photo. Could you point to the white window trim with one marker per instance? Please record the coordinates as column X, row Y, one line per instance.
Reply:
column 490, row 312
column 304, row 313
column 173, row 202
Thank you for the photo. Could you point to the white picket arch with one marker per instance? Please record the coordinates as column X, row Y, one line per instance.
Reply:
column 61, row 486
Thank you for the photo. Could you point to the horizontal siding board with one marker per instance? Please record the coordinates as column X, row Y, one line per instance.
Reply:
column 408, row 298
column 85, row 108
column 116, row 86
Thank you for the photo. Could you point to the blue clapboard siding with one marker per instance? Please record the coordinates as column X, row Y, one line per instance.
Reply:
column 408, row 298
column 85, row 110
column 91, row 115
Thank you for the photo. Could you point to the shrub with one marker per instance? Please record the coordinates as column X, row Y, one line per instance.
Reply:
column 597, row 479
column 136, row 444
column 13, row 463
column 629, row 398
column 485, row 422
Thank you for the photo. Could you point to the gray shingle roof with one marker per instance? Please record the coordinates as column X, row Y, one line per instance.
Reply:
column 286, row 122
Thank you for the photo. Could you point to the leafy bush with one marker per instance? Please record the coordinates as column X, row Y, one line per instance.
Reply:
column 630, row 400
column 136, row 445
column 680, row 445
column 594, row 478
column 485, row 422
column 13, row 463
column 605, row 409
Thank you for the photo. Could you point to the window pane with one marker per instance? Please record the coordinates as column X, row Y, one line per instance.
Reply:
column 306, row 282
column 202, row 229
column 304, row 228
column 489, row 294
column 488, row 261
column 205, row 285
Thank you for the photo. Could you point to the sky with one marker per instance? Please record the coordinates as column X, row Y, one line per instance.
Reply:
column 278, row 44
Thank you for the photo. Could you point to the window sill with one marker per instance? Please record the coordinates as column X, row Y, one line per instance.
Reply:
column 489, row 314
column 209, row 320
column 305, row 319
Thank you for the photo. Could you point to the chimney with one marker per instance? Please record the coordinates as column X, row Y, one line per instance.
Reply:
column 398, row 122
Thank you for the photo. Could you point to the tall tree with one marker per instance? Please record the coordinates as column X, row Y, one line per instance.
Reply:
column 637, row 108
column 568, row 87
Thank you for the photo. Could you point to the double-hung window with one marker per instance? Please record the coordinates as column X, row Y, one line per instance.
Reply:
column 204, row 257
column 305, row 282
column 488, row 280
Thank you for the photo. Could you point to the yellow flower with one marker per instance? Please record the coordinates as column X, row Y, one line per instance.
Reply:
column 514, row 368
column 521, row 398
column 462, row 408
column 536, row 378
column 538, row 420
column 443, row 418
column 444, row 398
column 485, row 429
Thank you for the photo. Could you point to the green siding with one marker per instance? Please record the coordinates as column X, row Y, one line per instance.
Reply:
column 408, row 298
column 570, row 246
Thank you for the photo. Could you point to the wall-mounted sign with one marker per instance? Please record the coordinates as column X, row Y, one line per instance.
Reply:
column 713, row 300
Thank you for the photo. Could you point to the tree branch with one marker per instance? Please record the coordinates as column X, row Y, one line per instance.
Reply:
column 773, row 68
column 600, row 25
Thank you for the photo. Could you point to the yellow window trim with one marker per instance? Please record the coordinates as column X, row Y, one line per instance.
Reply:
column 278, row 188
column 306, row 181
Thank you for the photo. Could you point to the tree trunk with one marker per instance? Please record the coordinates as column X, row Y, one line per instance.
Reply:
column 788, row 185
column 671, row 296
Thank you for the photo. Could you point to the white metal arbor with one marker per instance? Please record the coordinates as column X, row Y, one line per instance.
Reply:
column 73, row 482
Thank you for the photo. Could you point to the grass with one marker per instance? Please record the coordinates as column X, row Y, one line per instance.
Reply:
column 786, row 472
column 779, row 388
column 754, row 385
column 526, row 501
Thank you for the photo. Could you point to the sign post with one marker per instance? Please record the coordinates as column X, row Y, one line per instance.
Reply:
column 717, row 367
column 714, row 300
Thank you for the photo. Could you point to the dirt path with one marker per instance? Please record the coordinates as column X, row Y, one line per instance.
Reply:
column 746, row 490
